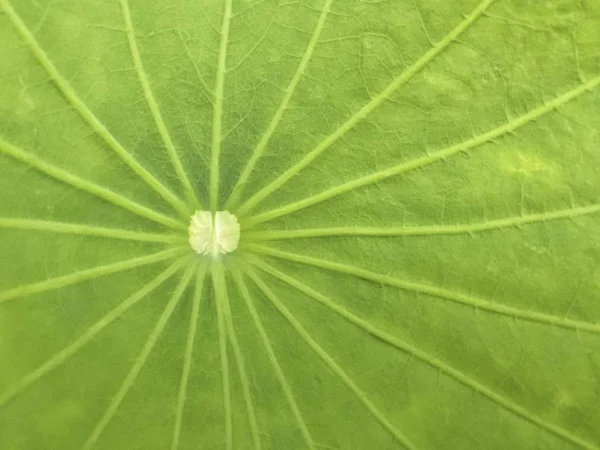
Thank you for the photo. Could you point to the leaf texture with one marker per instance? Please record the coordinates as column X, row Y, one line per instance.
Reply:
column 416, row 184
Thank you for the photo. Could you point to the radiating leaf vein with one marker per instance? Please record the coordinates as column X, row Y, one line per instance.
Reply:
column 218, row 278
column 188, row 356
column 289, row 92
column 431, row 158
column 85, row 230
column 140, row 361
column 154, row 108
column 62, row 356
column 87, row 186
column 239, row 359
column 327, row 359
column 489, row 225
column 426, row 358
column 67, row 90
column 217, row 124
column 285, row 386
column 88, row 274
column 339, row 133
column 463, row 299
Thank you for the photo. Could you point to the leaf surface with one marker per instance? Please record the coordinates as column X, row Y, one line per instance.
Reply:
column 417, row 188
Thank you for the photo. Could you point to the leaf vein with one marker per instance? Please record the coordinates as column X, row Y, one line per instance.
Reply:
column 327, row 359
column 85, row 230
column 217, row 123
column 237, row 353
column 489, row 225
column 87, row 274
column 154, row 108
column 431, row 158
column 85, row 112
column 398, row 82
column 285, row 386
column 425, row 357
column 459, row 298
column 87, row 186
column 187, row 357
column 289, row 92
column 218, row 278
column 140, row 361
column 62, row 356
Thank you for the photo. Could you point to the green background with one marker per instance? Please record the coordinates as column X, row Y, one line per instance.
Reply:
column 417, row 184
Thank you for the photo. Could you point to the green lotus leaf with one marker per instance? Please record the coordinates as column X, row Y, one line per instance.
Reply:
column 416, row 184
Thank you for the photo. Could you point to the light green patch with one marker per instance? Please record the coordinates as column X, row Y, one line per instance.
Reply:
column 26, row 111
column 528, row 163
